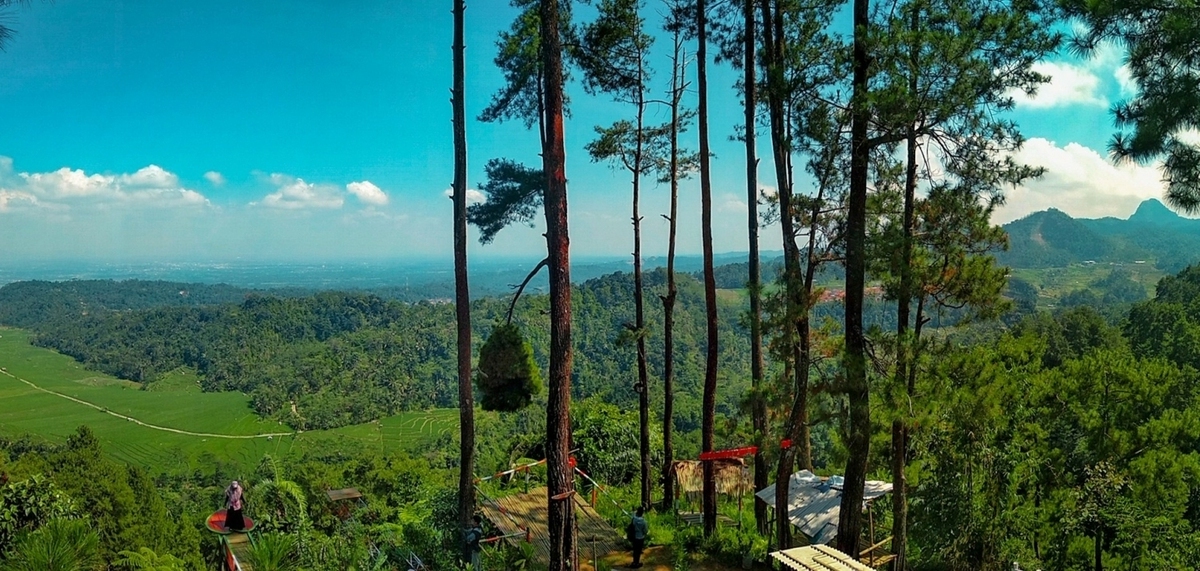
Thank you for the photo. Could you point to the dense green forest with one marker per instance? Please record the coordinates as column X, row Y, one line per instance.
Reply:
column 1038, row 442
column 332, row 359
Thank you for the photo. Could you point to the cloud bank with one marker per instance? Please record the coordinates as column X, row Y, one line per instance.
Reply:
column 293, row 193
column 66, row 189
column 1080, row 182
column 1084, row 82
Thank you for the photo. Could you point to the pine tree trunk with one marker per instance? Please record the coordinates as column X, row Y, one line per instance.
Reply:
column 559, row 476
column 758, row 411
column 710, row 285
column 669, row 299
column 906, row 353
column 797, row 282
column 462, row 296
column 798, row 430
column 858, row 441
column 643, row 387
column 773, row 38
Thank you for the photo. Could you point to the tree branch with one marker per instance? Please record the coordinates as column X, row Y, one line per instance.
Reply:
column 521, row 288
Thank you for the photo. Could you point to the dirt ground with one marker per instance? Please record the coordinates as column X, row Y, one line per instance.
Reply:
column 654, row 559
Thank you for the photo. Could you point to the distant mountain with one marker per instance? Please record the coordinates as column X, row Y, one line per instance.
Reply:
column 1050, row 239
column 1154, row 213
column 1153, row 234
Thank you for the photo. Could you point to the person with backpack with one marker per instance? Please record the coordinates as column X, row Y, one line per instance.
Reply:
column 474, row 537
column 636, row 532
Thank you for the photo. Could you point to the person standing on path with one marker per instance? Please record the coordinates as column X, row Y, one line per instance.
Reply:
column 233, row 507
column 637, row 532
column 473, row 538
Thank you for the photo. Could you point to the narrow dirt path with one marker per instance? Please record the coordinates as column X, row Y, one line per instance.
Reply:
column 146, row 424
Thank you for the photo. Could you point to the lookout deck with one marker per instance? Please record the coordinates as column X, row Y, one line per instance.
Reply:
column 238, row 545
column 525, row 517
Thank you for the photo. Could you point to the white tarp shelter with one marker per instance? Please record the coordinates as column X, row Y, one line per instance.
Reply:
column 814, row 503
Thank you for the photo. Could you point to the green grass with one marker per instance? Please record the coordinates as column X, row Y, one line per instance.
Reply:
column 177, row 404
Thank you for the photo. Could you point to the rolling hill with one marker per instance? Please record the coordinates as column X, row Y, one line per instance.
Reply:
column 1154, row 235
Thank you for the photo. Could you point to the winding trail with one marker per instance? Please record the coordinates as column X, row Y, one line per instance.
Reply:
column 146, row 424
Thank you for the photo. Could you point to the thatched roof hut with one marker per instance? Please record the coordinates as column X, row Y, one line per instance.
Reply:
column 732, row 476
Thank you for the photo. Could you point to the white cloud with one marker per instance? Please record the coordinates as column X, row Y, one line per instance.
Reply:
column 214, row 177
column 152, row 176
column 473, row 195
column 10, row 199
column 731, row 203
column 65, row 188
column 1189, row 137
column 1080, row 182
column 1069, row 84
column 65, row 183
column 294, row 194
column 1124, row 77
column 368, row 193
column 1089, row 81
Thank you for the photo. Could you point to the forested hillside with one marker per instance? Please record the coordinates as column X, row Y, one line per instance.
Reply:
column 331, row 359
column 1153, row 234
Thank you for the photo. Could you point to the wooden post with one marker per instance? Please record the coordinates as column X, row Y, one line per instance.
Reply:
column 871, row 526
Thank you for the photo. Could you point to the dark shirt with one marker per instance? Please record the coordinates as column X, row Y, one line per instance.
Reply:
column 474, row 535
column 638, row 528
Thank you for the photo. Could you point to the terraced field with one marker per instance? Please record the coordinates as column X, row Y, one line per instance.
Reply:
column 49, row 395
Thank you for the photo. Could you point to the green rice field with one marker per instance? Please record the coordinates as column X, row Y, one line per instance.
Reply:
column 175, row 427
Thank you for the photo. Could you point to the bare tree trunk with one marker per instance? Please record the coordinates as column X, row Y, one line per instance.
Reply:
column 758, row 411
column 462, row 295
column 559, row 476
column 672, row 291
column 858, row 440
column 710, row 285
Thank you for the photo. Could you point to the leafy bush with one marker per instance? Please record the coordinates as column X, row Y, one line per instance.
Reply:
column 274, row 552
column 60, row 545
column 26, row 504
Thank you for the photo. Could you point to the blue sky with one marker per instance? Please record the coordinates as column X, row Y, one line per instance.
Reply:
column 313, row 129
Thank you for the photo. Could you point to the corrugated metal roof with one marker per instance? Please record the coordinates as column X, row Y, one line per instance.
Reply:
column 818, row 558
column 815, row 503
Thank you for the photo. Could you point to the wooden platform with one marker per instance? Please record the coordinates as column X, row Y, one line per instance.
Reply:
column 525, row 516
column 818, row 558
column 695, row 518
column 239, row 547
column 343, row 494
column 877, row 557
column 216, row 523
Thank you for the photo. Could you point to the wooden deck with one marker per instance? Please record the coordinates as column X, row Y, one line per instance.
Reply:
column 696, row 518
column 818, row 558
column 239, row 546
column 343, row 494
column 524, row 517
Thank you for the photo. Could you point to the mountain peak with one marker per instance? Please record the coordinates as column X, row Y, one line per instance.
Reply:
column 1154, row 211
